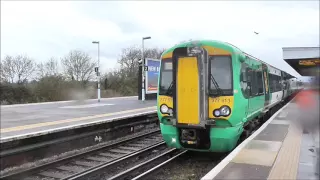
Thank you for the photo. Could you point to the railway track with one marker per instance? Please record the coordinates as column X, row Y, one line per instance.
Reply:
column 86, row 164
column 145, row 168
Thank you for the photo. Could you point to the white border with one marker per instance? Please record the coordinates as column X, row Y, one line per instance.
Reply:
column 58, row 102
column 146, row 80
column 75, row 126
column 213, row 173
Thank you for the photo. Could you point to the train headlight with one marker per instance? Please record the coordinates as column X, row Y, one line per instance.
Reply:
column 225, row 111
column 164, row 109
column 222, row 111
column 216, row 113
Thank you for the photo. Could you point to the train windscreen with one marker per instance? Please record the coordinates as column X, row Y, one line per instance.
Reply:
column 166, row 77
column 221, row 71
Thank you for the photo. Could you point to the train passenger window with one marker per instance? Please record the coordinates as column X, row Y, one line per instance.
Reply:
column 221, row 70
column 275, row 83
column 166, row 76
column 279, row 85
column 254, row 89
column 259, row 82
column 271, row 83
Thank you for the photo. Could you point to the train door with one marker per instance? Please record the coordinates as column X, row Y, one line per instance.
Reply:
column 189, row 101
column 257, row 97
column 266, row 85
column 284, row 85
column 188, row 90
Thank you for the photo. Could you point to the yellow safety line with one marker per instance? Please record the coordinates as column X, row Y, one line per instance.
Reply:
column 30, row 126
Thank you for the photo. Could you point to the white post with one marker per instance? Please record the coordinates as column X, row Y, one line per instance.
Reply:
column 143, row 72
column 98, row 69
column 99, row 72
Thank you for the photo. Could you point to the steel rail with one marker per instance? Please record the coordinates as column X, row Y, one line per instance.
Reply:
column 32, row 170
column 123, row 174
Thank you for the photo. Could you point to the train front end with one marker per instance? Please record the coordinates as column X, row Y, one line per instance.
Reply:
column 195, row 98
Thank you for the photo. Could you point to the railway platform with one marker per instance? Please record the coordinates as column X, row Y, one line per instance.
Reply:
column 27, row 120
column 285, row 147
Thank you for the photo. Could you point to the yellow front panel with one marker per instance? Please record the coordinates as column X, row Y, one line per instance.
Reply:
column 217, row 102
column 167, row 100
column 188, row 91
column 167, row 55
column 216, row 51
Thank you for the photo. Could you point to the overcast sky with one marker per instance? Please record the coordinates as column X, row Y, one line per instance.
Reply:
column 45, row 29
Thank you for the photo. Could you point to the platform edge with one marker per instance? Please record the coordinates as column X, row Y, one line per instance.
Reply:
column 54, row 130
column 214, row 172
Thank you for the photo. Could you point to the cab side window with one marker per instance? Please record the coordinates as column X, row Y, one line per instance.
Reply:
column 245, row 80
column 251, row 81
column 256, row 82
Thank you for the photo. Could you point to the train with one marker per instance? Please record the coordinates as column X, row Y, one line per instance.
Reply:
column 212, row 95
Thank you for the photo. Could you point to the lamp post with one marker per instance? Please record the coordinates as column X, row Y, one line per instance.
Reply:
column 143, row 71
column 98, row 68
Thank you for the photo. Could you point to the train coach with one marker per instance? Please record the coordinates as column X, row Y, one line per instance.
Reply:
column 212, row 95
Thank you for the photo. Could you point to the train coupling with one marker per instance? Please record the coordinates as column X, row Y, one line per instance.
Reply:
column 188, row 136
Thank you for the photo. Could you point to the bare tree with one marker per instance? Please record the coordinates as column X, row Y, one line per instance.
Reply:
column 7, row 69
column 129, row 59
column 2, row 77
column 154, row 53
column 78, row 66
column 49, row 68
column 24, row 67
column 129, row 67
column 18, row 68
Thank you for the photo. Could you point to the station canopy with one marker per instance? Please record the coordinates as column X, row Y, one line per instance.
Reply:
column 305, row 60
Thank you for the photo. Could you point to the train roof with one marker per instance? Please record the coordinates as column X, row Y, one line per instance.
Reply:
column 221, row 44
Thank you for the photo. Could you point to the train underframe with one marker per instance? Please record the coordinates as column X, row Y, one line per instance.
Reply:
column 213, row 138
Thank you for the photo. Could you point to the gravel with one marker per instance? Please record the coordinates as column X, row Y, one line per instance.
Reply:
column 38, row 178
column 192, row 165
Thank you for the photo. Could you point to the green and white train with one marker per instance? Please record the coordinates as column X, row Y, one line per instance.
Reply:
column 211, row 95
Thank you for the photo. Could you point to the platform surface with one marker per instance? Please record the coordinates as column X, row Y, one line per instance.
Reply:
column 285, row 147
column 17, row 120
